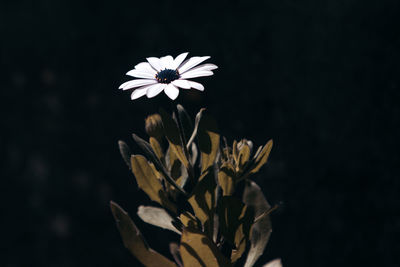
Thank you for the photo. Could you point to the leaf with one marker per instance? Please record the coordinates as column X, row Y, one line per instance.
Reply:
column 185, row 120
column 156, row 148
column 262, row 158
column 226, row 179
column 173, row 136
column 146, row 147
column 188, row 220
column 197, row 250
column 208, row 141
column 125, row 152
column 261, row 230
column 174, row 249
column 134, row 241
column 203, row 201
column 148, row 182
column 244, row 156
column 196, row 127
column 274, row 263
column 235, row 222
column 157, row 217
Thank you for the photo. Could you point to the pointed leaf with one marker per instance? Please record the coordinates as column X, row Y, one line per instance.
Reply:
column 197, row 250
column 173, row 136
column 157, row 217
column 134, row 241
column 261, row 230
column 262, row 157
column 244, row 156
column 146, row 147
column 157, row 148
column 148, row 182
column 125, row 153
column 226, row 179
column 196, row 127
column 208, row 141
column 186, row 121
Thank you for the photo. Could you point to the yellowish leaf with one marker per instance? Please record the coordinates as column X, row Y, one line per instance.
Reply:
column 208, row 141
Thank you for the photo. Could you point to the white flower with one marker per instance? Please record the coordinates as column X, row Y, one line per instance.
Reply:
column 167, row 74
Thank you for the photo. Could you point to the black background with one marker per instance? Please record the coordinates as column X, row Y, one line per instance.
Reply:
column 319, row 77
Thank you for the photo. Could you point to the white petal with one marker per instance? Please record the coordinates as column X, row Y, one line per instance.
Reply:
column 136, row 83
column 196, row 85
column 141, row 74
column 181, row 83
column 138, row 93
column 155, row 89
column 207, row 66
column 195, row 73
column 145, row 67
column 171, row 91
column 191, row 62
column 155, row 63
column 167, row 62
column 179, row 59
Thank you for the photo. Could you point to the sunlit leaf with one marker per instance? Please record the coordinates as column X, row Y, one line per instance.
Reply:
column 274, row 263
column 244, row 156
column 208, row 141
column 125, row 152
column 146, row 147
column 157, row 148
column 173, row 136
column 157, row 217
column 186, row 121
column 226, row 178
column 197, row 250
column 134, row 241
column 188, row 220
column 148, row 182
column 262, row 158
column 261, row 230
column 196, row 127
column 203, row 201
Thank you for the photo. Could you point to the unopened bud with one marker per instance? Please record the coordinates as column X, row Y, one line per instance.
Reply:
column 154, row 126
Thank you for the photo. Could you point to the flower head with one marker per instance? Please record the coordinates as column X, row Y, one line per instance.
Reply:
column 167, row 74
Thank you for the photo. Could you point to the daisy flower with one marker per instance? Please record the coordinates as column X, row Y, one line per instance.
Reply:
column 167, row 74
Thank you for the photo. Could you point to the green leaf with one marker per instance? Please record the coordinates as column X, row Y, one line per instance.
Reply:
column 125, row 153
column 203, row 201
column 197, row 250
column 173, row 136
column 134, row 241
column 148, row 182
column 208, row 141
column 226, row 179
column 261, row 230
column 146, row 147
column 157, row 217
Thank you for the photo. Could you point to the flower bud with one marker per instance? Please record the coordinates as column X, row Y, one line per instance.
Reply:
column 154, row 126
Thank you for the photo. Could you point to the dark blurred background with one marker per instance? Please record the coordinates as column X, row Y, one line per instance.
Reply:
column 319, row 77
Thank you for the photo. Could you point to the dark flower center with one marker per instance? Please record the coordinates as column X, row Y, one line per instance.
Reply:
column 167, row 76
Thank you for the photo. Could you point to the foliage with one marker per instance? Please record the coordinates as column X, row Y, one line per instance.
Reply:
column 203, row 190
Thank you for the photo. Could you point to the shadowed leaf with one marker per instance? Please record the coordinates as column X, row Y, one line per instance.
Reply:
column 134, row 241
column 173, row 136
column 148, row 182
column 185, row 120
column 125, row 153
column 157, row 217
column 244, row 156
column 197, row 250
column 174, row 249
column 261, row 230
column 208, row 141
